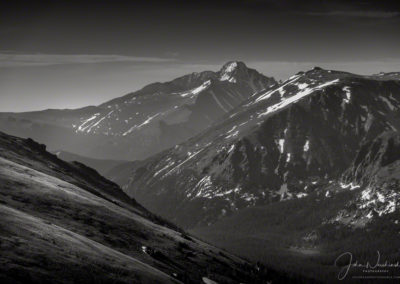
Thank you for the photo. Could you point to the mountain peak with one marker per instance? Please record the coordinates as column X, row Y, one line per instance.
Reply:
column 229, row 69
column 233, row 65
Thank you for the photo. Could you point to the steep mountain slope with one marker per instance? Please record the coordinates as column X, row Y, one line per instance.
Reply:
column 359, row 214
column 280, row 144
column 64, row 223
column 144, row 122
column 376, row 171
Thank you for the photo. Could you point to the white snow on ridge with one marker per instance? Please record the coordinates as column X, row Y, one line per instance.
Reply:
column 346, row 100
column 301, row 195
column 82, row 127
column 350, row 185
column 296, row 97
column 265, row 96
column 191, row 155
column 197, row 90
column 202, row 186
column 281, row 90
column 232, row 80
column 147, row 121
column 293, row 77
column 380, row 203
column 232, row 129
column 231, row 148
column 302, row 86
column 234, row 134
column 281, row 145
column 208, row 281
column 100, row 120
column 171, row 163
column 366, row 194
column 226, row 75
column 306, row 146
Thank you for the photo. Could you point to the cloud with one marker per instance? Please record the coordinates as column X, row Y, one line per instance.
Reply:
column 357, row 14
column 21, row 60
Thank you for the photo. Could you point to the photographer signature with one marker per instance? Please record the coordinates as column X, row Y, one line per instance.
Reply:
column 344, row 271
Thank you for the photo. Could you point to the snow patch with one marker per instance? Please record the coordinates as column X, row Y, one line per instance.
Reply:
column 381, row 203
column 197, row 90
column 185, row 161
column 208, row 281
column 231, row 148
column 227, row 72
column 83, row 126
column 234, row 134
column 301, row 195
column 170, row 164
column 281, row 90
column 296, row 97
column 202, row 186
column 350, row 185
column 346, row 89
column 100, row 120
column 306, row 146
column 281, row 143
column 302, row 86
column 147, row 121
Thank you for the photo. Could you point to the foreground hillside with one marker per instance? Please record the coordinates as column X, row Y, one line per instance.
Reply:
column 63, row 223
column 144, row 122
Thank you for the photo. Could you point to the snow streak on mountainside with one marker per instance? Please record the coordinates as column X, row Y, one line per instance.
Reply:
column 280, row 144
column 375, row 173
column 176, row 101
column 144, row 122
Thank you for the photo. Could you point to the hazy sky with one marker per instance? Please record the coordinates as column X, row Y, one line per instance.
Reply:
column 57, row 54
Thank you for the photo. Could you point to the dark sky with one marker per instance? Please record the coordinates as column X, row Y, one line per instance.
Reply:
column 69, row 54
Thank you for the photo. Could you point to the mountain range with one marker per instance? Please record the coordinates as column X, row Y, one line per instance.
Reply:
column 285, row 143
column 291, row 174
column 144, row 122
column 295, row 176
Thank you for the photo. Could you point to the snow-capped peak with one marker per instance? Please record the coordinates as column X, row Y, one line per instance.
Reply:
column 227, row 70
column 230, row 66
